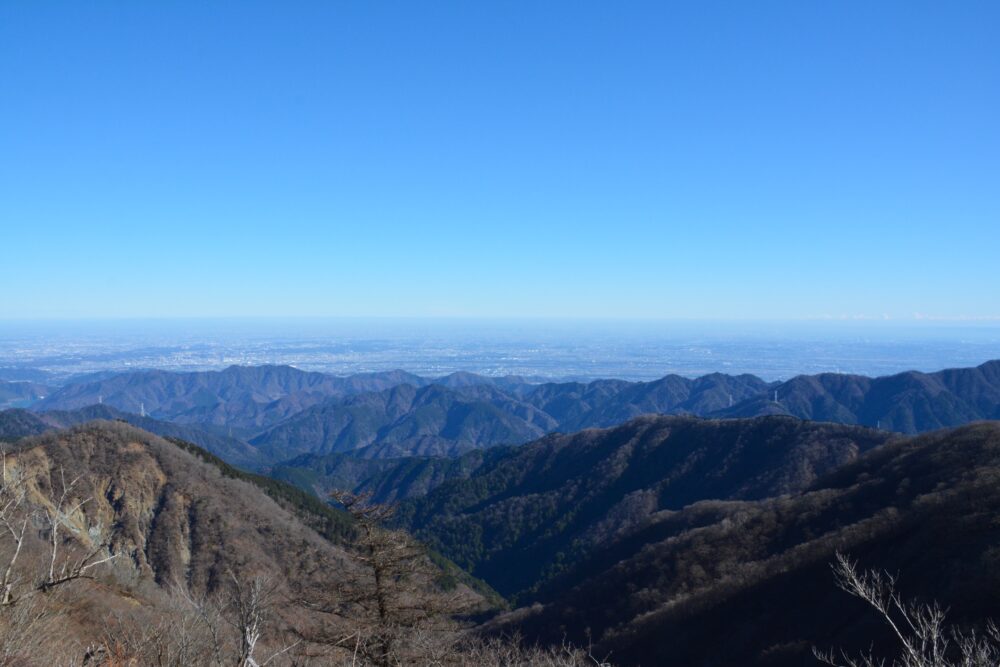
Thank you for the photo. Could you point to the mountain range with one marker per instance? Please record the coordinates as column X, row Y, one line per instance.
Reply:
column 643, row 534
column 667, row 586
column 285, row 412
column 244, row 398
column 327, row 458
column 17, row 423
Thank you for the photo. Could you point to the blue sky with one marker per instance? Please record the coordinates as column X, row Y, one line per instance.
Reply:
column 579, row 159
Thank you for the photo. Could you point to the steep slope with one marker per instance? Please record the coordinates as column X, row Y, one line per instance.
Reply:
column 672, row 394
column 242, row 397
column 182, row 533
column 387, row 480
column 17, row 423
column 513, row 384
column 232, row 450
column 171, row 527
column 21, row 394
column 527, row 514
column 979, row 386
column 567, row 402
column 174, row 517
column 473, row 414
column 910, row 402
column 906, row 403
column 405, row 420
column 285, row 412
column 757, row 573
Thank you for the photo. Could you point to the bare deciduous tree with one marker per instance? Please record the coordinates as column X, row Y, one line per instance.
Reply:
column 69, row 569
column 925, row 640
column 225, row 630
column 15, row 522
column 392, row 606
column 22, row 617
column 511, row 652
column 248, row 610
column 24, row 628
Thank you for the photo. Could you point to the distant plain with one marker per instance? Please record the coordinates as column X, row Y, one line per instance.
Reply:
column 536, row 349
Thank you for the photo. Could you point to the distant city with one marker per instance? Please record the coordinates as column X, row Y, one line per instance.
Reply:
column 534, row 349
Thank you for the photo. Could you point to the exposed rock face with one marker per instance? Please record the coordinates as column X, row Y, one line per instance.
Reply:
column 170, row 516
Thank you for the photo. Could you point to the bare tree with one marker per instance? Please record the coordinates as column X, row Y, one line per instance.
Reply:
column 69, row 568
column 21, row 625
column 394, row 611
column 925, row 640
column 22, row 616
column 225, row 630
column 14, row 521
column 248, row 608
column 511, row 651
column 24, row 628
column 209, row 618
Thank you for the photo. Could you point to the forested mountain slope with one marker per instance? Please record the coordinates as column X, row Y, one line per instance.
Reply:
column 247, row 398
column 18, row 394
column 407, row 420
column 757, row 572
column 387, row 480
column 17, row 423
column 531, row 512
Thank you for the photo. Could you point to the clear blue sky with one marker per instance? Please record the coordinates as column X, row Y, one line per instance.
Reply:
column 601, row 159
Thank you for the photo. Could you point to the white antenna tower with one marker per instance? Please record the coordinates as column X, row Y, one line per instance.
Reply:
column 142, row 409
column 730, row 400
column 100, row 399
column 775, row 395
column 878, row 424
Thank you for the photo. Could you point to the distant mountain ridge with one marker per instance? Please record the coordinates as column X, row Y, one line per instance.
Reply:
column 905, row 402
column 910, row 402
column 284, row 413
column 19, row 423
column 446, row 421
column 247, row 398
column 19, row 393
column 406, row 420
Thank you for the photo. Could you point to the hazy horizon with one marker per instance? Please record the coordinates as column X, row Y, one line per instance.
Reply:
column 569, row 190
column 540, row 349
